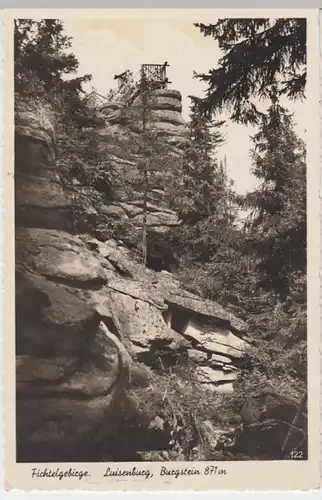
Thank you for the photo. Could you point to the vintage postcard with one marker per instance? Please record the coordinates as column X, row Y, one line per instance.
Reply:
column 162, row 324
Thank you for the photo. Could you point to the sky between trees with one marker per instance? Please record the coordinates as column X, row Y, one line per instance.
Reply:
column 105, row 47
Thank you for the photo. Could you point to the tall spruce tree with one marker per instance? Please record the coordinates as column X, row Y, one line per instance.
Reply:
column 257, row 55
column 42, row 53
column 278, row 206
column 154, row 166
column 203, row 198
column 202, row 174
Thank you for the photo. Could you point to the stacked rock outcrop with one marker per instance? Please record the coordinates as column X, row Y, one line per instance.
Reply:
column 71, row 377
column 67, row 371
column 120, row 140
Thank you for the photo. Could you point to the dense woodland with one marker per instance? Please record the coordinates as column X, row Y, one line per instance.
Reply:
column 258, row 269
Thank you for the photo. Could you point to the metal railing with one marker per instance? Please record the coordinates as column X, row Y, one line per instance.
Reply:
column 150, row 76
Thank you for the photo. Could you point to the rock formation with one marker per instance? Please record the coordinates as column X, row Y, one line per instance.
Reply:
column 92, row 323
column 121, row 144
column 68, row 370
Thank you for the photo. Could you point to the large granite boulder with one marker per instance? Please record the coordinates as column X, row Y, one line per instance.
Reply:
column 39, row 197
column 156, row 316
column 68, row 373
column 59, row 256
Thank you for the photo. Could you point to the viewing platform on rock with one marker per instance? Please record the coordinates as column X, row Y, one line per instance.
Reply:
column 129, row 86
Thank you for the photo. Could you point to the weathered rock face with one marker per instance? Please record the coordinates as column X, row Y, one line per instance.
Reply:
column 120, row 142
column 40, row 200
column 163, row 116
column 70, row 377
column 67, row 372
column 156, row 317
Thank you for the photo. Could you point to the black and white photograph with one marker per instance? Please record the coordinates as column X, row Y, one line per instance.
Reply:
column 161, row 240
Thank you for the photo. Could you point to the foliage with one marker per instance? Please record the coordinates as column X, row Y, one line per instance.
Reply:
column 81, row 157
column 278, row 207
column 257, row 271
column 202, row 195
column 154, row 162
column 179, row 407
column 204, row 199
column 145, row 145
column 43, row 61
column 258, row 54
column 44, row 70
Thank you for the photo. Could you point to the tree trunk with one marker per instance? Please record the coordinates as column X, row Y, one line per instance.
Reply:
column 144, row 222
column 145, row 180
